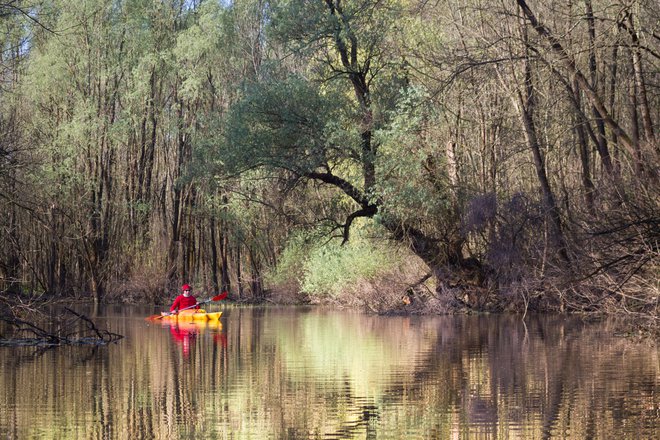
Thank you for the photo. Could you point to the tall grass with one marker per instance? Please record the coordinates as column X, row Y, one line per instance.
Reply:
column 332, row 269
column 328, row 270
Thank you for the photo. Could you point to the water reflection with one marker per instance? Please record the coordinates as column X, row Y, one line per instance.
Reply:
column 312, row 374
column 184, row 334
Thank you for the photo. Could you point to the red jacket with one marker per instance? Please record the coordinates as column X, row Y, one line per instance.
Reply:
column 181, row 302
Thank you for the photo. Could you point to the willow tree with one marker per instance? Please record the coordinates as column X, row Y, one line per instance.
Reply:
column 110, row 134
column 338, row 109
column 14, row 148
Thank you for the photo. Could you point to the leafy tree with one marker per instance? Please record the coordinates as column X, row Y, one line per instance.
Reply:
column 350, row 121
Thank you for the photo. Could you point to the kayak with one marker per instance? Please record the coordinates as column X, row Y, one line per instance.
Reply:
column 199, row 315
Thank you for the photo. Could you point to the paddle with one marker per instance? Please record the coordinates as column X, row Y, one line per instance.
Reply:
column 223, row 295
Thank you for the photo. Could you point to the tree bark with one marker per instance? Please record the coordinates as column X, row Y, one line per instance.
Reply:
column 527, row 107
column 587, row 184
column 601, row 144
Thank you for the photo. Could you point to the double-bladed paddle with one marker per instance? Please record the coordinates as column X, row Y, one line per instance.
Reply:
column 223, row 295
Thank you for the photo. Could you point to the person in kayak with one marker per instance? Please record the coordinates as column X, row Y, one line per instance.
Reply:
column 184, row 301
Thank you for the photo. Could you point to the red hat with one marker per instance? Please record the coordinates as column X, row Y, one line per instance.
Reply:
column 185, row 287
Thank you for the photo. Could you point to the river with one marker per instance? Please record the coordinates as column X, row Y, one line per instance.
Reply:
column 312, row 373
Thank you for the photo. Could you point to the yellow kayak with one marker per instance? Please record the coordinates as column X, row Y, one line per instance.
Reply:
column 199, row 315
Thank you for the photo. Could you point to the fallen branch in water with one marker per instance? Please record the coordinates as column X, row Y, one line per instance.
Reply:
column 26, row 333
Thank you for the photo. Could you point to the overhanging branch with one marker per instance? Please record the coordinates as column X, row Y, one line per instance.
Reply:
column 368, row 211
column 348, row 188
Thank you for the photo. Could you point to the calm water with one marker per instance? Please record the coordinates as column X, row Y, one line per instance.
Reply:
column 294, row 373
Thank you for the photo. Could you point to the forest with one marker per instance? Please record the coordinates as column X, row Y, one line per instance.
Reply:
column 396, row 156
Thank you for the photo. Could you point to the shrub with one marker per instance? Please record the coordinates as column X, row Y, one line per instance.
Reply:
column 333, row 268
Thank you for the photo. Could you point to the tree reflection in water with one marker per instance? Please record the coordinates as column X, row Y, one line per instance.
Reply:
column 272, row 373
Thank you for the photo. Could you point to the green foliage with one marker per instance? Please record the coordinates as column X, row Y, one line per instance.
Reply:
column 330, row 269
column 198, row 48
column 277, row 125
column 291, row 260
column 324, row 268
column 406, row 183
column 308, row 27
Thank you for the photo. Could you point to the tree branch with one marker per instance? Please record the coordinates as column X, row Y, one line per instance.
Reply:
column 582, row 81
column 369, row 211
column 348, row 188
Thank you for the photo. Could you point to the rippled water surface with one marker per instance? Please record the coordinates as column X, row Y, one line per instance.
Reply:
column 306, row 373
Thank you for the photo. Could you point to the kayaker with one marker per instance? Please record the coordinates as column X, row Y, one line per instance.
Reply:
column 185, row 301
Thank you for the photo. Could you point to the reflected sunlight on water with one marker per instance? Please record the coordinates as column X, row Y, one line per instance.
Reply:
column 305, row 373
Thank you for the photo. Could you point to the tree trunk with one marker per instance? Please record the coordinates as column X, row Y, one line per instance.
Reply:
column 634, row 119
column 640, row 84
column 239, row 271
column 587, row 184
column 255, row 277
column 178, row 202
column 527, row 107
column 13, row 264
column 601, row 144
column 214, row 254
column 224, row 250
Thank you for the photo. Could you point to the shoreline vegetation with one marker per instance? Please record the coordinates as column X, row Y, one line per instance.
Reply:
column 389, row 156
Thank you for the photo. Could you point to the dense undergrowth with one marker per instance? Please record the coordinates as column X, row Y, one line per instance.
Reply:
column 612, row 272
